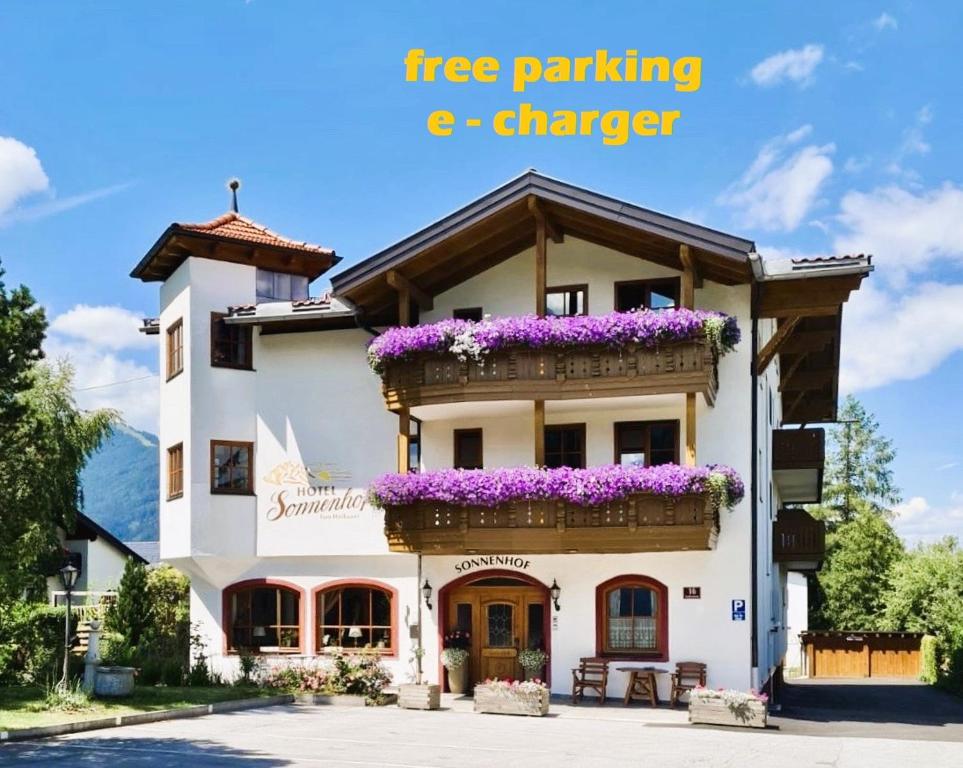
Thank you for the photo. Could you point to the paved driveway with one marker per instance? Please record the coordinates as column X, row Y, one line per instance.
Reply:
column 871, row 707
column 583, row 737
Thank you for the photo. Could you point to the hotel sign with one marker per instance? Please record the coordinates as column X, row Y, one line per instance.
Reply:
column 311, row 509
column 489, row 561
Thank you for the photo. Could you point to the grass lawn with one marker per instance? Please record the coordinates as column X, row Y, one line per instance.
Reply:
column 16, row 703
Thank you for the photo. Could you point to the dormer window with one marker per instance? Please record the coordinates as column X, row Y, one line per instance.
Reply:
column 280, row 286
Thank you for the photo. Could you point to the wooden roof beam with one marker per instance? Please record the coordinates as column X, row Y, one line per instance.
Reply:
column 807, row 341
column 771, row 349
column 690, row 263
column 551, row 227
column 403, row 285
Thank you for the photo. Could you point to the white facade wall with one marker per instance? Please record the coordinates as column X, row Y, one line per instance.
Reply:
column 797, row 619
column 312, row 401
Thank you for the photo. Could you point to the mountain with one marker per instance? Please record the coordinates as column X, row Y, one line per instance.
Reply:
column 121, row 484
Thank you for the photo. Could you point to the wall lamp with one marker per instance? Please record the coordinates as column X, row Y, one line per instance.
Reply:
column 555, row 591
column 426, row 593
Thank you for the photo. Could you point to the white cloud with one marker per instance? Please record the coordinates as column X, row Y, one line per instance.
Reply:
column 21, row 173
column 112, row 328
column 919, row 521
column 783, row 182
column 892, row 337
column 55, row 206
column 101, row 343
column 907, row 232
column 885, row 21
column 796, row 65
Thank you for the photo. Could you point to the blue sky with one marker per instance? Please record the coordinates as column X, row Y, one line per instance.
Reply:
column 819, row 131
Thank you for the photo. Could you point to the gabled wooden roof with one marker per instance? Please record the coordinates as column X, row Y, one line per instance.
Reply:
column 234, row 238
column 501, row 224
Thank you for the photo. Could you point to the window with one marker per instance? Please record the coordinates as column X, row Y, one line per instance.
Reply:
column 175, row 471
column 566, row 300
column 175, row 348
column 468, row 313
column 230, row 344
column 414, row 444
column 632, row 618
column 263, row 617
column 646, row 443
column 232, row 467
column 647, row 294
column 355, row 615
column 468, row 449
column 279, row 286
column 565, row 445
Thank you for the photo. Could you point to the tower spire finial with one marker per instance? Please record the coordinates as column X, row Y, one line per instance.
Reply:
column 234, row 185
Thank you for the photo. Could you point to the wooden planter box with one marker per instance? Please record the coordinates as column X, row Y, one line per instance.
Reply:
column 419, row 696
column 752, row 714
column 495, row 700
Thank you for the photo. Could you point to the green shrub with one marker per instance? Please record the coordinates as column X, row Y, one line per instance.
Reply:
column 359, row 674
column 929, row 663
column 172, row 673
column 31, row 642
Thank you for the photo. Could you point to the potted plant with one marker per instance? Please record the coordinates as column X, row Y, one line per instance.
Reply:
column 455, row 656
column 419, row 694
column 532, row 661
column 512, row 697
column 728, row 707
column 115, row 675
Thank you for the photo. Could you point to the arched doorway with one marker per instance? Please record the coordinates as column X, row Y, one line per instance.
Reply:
column 504, row 612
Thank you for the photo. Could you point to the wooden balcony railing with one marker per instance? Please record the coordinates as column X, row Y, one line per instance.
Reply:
column 639, row 523
column 532, row 374
column 798, row 540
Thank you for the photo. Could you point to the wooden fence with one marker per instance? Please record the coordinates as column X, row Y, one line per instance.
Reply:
column 862, row 654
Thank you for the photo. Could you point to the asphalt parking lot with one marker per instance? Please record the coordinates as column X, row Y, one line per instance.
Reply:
column 294, row 735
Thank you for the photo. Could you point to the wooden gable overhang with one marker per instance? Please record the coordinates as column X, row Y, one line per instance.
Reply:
column 272, row 252
column 805, row 297
column 505, row 222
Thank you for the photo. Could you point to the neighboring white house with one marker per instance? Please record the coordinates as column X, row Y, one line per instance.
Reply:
column 273, row 427
column 98, row 555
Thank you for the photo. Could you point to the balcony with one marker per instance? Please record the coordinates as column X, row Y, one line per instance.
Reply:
column 598, row 510
column 798, row 457
column 553, row 358
column 525, row 374
column 798, row 540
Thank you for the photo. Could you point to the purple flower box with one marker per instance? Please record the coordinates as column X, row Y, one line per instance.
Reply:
column 582, row 487
column 466, row 339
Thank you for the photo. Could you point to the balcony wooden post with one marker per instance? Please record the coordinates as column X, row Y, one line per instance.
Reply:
column 404, row 414
column 541, row 266
column 689, row 279
column 539, row 423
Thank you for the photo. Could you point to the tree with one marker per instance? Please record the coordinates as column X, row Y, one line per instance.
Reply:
column 855, row 577
column 926, row 595
column 42, row 453
column 22, row 328
column 859, row 474
column 131, row 614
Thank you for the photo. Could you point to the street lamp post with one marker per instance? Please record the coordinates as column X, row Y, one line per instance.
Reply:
column 68, row 577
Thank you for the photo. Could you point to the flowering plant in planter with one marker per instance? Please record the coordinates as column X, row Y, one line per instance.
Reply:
column 457, row 638
column 454, row 658
column 582, row 487
column 739, row 707
column 532, row 659
column 473, row 340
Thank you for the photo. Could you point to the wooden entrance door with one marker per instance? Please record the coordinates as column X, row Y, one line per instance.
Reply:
column 502, row 618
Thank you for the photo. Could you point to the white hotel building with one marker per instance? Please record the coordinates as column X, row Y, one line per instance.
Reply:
column 272, row 427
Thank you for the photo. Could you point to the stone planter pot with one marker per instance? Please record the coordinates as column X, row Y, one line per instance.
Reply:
column 419, row 696
column 114, row 682
column 752, row 714
column 497, row 700
column 458, row 678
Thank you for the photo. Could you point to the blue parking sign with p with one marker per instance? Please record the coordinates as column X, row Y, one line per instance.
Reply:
column 738, row 610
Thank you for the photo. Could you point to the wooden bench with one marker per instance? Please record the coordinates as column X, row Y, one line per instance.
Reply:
column 591, row 674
